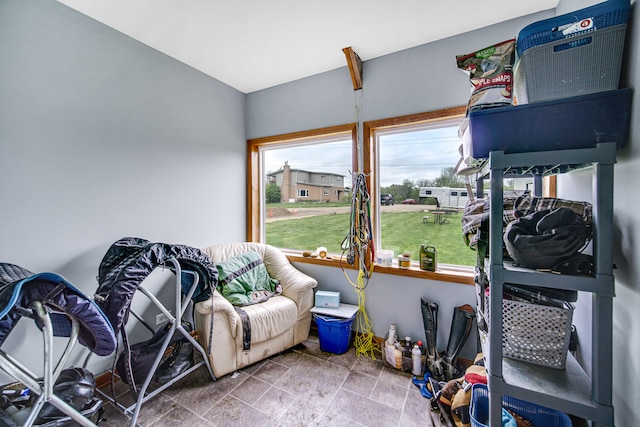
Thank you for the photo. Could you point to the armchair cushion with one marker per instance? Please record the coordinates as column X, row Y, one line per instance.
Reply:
column 271, row 318
column 243, row 279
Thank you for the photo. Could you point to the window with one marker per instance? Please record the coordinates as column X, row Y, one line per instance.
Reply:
column 413, row 158
column 306, row 175
column 310, row 170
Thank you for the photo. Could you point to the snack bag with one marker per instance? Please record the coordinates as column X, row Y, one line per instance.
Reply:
column 490, row 71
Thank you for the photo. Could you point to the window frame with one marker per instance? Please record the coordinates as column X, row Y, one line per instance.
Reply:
column 366, row 152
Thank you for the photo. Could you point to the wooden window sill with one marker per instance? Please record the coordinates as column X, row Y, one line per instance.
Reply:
column 453, row 275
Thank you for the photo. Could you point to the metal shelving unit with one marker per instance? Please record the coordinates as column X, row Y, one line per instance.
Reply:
column 570, row 390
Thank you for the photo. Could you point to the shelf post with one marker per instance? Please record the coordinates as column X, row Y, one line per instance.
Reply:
column 496, row 289
column 602, row 302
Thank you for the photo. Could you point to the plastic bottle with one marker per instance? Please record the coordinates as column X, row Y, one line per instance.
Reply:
column 392, row 335
column 416, row 358
column 407, row 346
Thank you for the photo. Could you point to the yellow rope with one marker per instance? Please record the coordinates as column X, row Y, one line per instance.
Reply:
column 364, row 342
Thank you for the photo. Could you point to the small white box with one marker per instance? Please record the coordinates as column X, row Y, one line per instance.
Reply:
column 327, row 299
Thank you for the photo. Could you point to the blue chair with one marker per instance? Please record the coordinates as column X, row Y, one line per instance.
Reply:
column 59, row 310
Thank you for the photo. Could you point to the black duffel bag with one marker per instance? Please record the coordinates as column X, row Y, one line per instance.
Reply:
column 137, row 362
column 547, row 238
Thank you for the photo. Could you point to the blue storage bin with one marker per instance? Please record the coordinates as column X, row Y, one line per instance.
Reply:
column 536, row 414
column 334, row 333
column 573, row 54
column 542, row 126
column 606, row 14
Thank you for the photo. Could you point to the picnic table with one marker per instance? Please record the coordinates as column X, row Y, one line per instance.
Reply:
column 439, row 217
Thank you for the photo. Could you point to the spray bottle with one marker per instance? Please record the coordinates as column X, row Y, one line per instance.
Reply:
column 416, row 358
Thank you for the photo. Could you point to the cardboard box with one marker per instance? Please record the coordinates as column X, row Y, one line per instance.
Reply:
column 327, row 299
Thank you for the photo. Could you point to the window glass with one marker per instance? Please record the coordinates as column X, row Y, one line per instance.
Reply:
column 304, row 192
column 415, row 164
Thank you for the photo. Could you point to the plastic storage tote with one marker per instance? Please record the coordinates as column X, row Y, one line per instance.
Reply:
column 537, row 415
column 602, row 117
column 572, row 54
column 334, row 333
column 602, row 15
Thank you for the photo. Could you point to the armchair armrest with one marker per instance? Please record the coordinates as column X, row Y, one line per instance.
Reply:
column 294, row 282
column 296, row 285
column 219, row 305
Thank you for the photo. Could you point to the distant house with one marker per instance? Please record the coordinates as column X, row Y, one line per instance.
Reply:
column 297, row 185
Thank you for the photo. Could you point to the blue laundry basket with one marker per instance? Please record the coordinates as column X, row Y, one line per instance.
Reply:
column 535, row 414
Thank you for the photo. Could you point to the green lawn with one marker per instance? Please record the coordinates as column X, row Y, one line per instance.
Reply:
column 401, row 231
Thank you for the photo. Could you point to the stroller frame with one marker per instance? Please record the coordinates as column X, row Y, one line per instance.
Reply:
column 181, row 305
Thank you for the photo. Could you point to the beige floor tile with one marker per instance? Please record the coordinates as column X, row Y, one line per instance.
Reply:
column 360, row 383
column 251, row 390
column 389, row 394
column 233, row 412
column 365, row 411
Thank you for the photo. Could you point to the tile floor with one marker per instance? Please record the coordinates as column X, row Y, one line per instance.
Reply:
column 303, row 386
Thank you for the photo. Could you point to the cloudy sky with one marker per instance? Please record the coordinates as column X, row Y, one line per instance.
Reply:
column 413, row 156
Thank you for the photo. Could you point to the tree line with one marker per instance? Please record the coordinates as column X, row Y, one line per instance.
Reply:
column 407, row 190
column 410, row 189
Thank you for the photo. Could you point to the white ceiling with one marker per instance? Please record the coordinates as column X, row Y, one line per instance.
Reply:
column 255, row 44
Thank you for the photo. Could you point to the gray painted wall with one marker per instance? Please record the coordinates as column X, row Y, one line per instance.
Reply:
column 626, row 327
column 415, row 80
column 102, row 137
column 425, row 78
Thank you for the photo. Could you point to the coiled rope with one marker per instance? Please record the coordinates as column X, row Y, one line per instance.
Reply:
column 358, row 247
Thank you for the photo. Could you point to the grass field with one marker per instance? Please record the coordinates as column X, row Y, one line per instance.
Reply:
column 401, row 231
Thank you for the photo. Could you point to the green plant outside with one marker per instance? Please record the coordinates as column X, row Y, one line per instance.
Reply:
column 401, row 231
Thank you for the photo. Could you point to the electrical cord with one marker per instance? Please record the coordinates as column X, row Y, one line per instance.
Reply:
column 359, row 248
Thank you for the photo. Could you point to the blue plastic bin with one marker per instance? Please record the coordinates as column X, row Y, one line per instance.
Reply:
column 334, row 333
column 542, row 126
column 573, row 54
column 537, row 415
column 605, row 14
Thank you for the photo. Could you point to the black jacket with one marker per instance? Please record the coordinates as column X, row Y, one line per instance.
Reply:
column 130, row 260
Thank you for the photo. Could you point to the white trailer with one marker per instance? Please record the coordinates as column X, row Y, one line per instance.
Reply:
column 446, row 197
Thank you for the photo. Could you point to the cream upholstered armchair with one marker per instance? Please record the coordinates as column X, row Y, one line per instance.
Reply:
column 276, row 324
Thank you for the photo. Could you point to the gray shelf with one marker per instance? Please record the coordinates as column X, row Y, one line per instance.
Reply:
column 601, row 284
column 569, row 390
